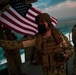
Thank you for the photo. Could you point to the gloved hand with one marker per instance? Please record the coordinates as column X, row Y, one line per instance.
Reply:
column 60, row 57
column 66, row 56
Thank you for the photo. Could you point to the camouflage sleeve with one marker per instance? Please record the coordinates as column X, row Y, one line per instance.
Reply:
column 64, row 42
column 7, row 44
column 66, row 45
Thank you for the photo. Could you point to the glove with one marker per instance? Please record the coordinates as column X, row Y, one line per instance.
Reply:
column 59, row 57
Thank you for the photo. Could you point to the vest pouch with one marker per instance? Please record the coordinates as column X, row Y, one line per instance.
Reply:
column 45, row 61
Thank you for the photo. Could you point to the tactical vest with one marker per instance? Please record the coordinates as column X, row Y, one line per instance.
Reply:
column 47, row 48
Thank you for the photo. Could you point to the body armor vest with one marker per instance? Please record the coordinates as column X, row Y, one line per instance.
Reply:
column 47, row 50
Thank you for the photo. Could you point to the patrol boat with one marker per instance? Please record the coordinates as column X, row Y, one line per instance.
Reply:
column 27, row 67
column 33, row 69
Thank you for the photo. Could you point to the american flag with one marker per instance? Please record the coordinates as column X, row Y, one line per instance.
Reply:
column 21, row 18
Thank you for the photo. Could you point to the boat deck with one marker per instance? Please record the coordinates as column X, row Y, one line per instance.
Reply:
column 31, row 69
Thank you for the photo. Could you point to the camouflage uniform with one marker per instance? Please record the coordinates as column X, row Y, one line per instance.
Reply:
column 13, row 55
column 46, row 48
column 12, row 49
column 51, row 49
column 74, row 42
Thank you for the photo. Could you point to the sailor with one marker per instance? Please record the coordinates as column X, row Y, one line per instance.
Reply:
column 52, row 46
column 12, row 56
column 74, row 42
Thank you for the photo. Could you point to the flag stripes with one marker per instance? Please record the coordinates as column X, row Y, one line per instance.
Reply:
column 24, row 25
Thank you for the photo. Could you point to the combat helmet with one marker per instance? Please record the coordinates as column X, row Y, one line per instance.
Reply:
column 42, row 17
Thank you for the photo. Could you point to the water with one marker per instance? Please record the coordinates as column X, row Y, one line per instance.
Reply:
column 3, row 62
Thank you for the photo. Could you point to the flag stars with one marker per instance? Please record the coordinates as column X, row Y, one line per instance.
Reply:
column 21, row 8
